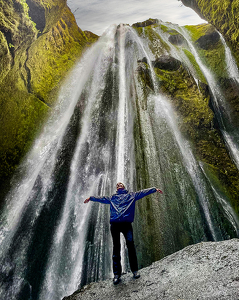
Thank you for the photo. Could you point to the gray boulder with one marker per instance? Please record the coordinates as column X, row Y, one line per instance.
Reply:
column 208, row 270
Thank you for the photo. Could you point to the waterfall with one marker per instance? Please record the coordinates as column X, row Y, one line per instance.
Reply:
column 104, row 128
column 230, row 61
column 222, row 109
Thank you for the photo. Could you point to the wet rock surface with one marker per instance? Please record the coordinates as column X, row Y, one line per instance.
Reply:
column 208, row 40
column 167, row 62
column 177, row 39
column 207, row 270
column 145, row 23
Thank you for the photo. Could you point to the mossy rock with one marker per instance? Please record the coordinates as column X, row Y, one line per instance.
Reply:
column 23, row 116
column 157, row 45
column 208, row 41
column 223, row 15
column 213, row 56
column 145, row 23
column 177, row 39
column 198, row 73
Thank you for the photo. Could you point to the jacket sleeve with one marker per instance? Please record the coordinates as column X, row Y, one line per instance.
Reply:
column 104, row 200
column 143, row 193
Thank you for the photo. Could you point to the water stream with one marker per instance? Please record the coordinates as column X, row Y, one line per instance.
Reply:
column 222, row 109
column 104, row 129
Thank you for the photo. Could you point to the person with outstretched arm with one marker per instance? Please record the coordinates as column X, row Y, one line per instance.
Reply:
column 122, row 210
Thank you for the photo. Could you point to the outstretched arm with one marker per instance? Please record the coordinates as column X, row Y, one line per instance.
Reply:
column 104, row 200
column 146, row 192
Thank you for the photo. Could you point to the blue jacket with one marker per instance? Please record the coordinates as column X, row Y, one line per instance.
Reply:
column 122, row 204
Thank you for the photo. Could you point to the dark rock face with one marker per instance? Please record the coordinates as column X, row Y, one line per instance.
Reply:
column 208, row 40
column 230, row 89
column 202, row 271
column 166, row 62
column 176, row 39
column 37, row 14
column 194, row 6
column 145, row 23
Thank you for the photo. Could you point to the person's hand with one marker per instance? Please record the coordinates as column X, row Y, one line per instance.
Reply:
column 159, row 191
column 87, row 200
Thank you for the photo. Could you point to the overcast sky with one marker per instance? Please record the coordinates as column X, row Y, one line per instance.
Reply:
column 97, row 15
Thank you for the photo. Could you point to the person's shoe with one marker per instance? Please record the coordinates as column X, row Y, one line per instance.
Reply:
column 116, row 279
column 136, row 275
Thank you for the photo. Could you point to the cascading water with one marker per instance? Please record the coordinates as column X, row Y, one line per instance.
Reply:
column 104, row 129
column 222, row 109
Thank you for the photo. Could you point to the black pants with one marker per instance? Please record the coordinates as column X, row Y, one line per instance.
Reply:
column 127, row 230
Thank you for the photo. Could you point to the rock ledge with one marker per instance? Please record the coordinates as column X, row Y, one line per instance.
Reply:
column 208, row 270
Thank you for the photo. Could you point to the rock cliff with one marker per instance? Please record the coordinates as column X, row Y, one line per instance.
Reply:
column 222, row 14
column 202, row 271
column 39, row 43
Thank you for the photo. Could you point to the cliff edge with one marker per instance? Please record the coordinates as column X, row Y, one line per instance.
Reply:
column 207, row 270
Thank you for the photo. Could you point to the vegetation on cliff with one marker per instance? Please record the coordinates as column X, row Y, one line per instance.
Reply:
column 192, row 100
column 40, row 42
column 223, row 15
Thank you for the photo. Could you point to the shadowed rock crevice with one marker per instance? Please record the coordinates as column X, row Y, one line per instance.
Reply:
column 8, row 36
column 37, row 14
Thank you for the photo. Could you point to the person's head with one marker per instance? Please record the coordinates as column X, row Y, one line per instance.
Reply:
column 120, row 186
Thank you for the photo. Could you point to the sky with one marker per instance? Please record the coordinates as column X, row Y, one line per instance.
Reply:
column 98, row 15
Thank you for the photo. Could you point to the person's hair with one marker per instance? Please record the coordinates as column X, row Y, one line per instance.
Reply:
column 120, row 183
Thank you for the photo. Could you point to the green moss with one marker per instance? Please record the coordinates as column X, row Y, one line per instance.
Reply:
column 197, row 69
column 164, row 28
column 5, row 57
column 53, row 54
column 196, row 31
column 215, row 60
column 156, row 43
column 214, row 57
column 224, row 16
column 21, row 113
column 139, row 30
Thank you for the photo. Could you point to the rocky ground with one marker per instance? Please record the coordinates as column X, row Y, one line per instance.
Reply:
column 208, row 270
